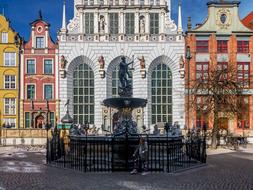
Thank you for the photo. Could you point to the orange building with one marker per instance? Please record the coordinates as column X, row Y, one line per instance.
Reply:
column 222, row 40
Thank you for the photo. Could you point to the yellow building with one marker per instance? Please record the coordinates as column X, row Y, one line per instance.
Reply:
column 9, row 75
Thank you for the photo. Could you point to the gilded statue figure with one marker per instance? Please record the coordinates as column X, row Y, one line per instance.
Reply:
column 63, row 62
column 101, row 61
column 142, row 62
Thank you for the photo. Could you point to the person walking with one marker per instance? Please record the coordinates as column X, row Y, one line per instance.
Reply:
column 140, row 158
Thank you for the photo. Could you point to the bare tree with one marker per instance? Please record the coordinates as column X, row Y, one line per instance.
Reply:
column 220, row 91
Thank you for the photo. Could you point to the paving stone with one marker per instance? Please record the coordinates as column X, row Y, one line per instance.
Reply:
column 226, row 170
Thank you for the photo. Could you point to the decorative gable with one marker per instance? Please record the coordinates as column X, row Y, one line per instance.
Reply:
column 223, row 18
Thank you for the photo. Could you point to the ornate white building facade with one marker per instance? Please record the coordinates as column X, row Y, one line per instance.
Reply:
column 91, row 45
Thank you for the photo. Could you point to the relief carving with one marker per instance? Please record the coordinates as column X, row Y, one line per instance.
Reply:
column 74, row 23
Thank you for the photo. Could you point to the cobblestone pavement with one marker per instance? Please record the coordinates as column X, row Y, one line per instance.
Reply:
column 22, row 169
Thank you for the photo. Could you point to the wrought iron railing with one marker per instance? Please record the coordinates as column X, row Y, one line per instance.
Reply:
column 115, row 153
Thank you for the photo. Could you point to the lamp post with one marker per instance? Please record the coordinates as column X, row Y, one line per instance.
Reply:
column 188, row 58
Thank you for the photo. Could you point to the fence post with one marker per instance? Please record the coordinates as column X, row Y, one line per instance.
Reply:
column 204, row 151
column 112, row 150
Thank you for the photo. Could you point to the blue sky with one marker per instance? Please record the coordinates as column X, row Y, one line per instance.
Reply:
column 23, row 12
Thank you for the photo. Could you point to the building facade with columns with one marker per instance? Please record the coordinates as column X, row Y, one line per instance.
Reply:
column 39, row 78
column 91, row 46
column 222, row 42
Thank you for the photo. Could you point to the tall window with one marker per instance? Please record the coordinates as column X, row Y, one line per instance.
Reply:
column 9, row 106
column 243, row 116
column 114, row 23
column 222, row 67
column 9, row 81
column 161, row 94
column 9, row 123
column 115, row 81
column 243, row 72
column 201, row 113
column 141, row 2
column 5, row 37
column 243, row 46
column 48, row 66
column 222, row 46
column 89, row 23
column 30, row 66
column 40, row 42
column 83, row 91
column 129, row 23
column 31, row 92
column 154, row 23
column 202, row 71
column 48, row 92
column 52, row 119
column 9, row 59
column 202, row 46
column 27, row 120
column 86, row 2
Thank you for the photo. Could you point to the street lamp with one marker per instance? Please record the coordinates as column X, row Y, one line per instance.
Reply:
column 188, row 58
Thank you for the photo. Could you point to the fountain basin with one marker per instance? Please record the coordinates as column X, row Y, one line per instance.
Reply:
column 125, row 102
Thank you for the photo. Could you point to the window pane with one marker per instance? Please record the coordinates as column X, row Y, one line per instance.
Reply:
column 27, row 120
column 39, row 42
column 5, row 37
column 10, row 59
column 9, row 122
column 154, row 23
column 31, row 66
column 9, row 82
column 161, row 101
column 114, row 23
column 83, row 94
column 129, row 23
column 48, row 92
column 10, row 106
column 89, row 23
column 48, row 67
column 30, row 92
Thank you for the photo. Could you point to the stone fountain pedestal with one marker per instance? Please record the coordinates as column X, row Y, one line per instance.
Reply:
column 125, row 106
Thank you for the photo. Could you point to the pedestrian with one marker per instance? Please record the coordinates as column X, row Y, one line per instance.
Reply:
column 140, row 158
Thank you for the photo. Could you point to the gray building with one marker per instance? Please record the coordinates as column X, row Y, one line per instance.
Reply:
column 90, row 48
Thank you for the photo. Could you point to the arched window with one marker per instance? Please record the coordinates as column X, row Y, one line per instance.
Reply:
column 161, row 94
column 116, row 83
column 83, row 94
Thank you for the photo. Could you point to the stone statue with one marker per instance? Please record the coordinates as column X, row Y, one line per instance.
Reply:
column 63, row 62
column 101, row 61
column 182, row 63
column 123, row 73
column 142, row 62
column 142, row 25
column 77, row 130
column 102, row 24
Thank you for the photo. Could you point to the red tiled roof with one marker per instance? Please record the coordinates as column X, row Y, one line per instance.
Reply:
column 248, row 20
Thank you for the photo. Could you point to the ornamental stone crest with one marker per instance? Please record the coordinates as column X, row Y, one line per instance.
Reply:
column 223, row 18
column 74, row 23
column 170, row 25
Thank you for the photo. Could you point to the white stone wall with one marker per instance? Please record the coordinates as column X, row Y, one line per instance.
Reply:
column 153, row 52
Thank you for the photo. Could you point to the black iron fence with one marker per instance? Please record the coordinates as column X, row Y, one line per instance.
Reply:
column 112, row 153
